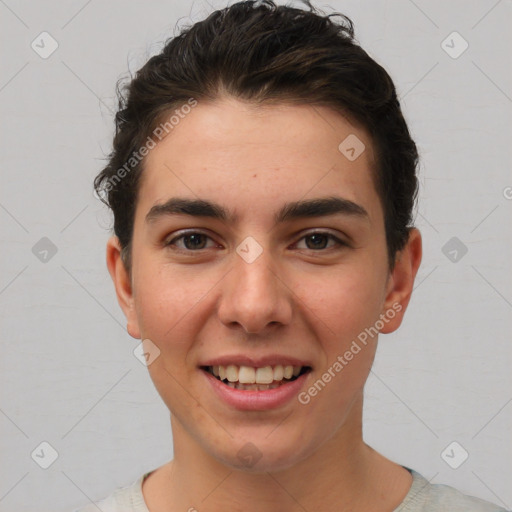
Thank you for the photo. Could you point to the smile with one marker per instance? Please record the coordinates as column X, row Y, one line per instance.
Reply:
column 248, row 378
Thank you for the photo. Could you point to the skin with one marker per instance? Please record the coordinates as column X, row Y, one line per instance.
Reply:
column 294, row 299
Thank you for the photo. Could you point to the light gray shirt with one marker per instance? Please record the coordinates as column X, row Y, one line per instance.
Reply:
column 422, row 497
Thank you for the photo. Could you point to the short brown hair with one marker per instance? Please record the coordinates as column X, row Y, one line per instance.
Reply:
column 264, row 53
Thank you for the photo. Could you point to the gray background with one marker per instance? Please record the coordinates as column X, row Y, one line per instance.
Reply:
column 69, row 376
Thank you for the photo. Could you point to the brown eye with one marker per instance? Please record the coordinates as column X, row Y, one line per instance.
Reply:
column 319, row 241
column 191, row 241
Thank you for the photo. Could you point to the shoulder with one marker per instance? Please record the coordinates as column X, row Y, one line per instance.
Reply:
column 124, row 499
column 426, row 497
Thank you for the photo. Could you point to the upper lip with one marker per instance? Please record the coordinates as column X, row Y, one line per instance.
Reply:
column 255, row 362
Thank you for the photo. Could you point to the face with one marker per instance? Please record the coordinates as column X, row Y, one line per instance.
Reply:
column 272, row 253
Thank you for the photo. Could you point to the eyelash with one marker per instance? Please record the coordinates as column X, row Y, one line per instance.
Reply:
column 339, row 243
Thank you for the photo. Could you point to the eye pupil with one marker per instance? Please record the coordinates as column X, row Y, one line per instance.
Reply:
column 196, row 241
column 319, row 241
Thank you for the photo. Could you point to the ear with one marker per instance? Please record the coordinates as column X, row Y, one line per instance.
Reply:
column 401, row 282
column 123, row 286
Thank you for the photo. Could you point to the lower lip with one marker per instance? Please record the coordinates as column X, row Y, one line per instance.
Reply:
column 254, row 400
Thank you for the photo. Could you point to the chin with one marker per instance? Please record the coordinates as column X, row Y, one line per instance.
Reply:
column 262, row 456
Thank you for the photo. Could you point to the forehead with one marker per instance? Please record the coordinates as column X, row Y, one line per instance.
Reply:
column 252, row 156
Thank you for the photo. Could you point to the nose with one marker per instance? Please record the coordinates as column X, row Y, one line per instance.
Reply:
column 255, row 296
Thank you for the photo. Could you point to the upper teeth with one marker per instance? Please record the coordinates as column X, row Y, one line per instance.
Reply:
column 249, row 375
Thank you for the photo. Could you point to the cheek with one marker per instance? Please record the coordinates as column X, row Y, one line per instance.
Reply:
column 347, row 302
column 168, row 302
column 346, row 307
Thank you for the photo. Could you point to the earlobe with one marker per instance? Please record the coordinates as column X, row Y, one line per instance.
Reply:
column 401, row 281
column 123, row 286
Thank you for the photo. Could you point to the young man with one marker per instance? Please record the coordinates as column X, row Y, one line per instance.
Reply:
column 262, row 182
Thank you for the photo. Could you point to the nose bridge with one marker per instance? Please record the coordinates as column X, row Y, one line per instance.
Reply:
column 254, row 295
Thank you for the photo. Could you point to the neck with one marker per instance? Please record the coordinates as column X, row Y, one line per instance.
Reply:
column 342, row 474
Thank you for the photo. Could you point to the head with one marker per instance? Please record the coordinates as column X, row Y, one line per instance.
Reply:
column 272, row 130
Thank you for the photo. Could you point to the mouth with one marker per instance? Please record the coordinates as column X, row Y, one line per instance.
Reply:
column 247, row 378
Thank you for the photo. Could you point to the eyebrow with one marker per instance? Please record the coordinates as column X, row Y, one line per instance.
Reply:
column 294, row 210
